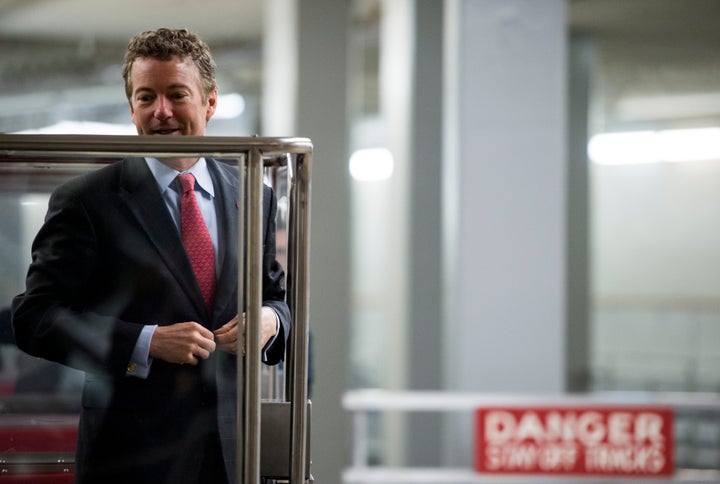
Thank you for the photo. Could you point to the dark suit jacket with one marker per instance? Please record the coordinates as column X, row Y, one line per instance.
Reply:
column 108, row 260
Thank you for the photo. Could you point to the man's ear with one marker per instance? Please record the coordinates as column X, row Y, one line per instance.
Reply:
column 211, row 104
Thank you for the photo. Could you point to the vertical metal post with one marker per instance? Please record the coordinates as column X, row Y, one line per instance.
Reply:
column 240, row 374
column 253, row 318
column 300, row 223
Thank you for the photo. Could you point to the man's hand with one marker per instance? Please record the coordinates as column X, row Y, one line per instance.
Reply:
column 182, row 343
column 227, row 335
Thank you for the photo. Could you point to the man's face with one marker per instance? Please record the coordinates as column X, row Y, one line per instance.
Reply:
column 167, row 99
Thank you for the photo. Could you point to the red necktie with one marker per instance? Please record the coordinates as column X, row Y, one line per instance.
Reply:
column 197, row 240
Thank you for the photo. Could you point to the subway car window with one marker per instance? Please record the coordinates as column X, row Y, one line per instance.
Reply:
column 39, row 399
column 24, row 192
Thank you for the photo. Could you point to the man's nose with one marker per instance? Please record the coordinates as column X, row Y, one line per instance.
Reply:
column 163, row 108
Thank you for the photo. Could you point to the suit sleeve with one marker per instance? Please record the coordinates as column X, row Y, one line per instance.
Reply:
column 51, row 318
column 274, row 281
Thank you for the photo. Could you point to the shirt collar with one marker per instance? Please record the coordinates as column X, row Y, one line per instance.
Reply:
column 165, row 176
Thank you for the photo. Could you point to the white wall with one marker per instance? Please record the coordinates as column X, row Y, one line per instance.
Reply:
column 656, row 282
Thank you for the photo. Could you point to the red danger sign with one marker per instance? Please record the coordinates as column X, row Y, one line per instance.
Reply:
column 617, row 441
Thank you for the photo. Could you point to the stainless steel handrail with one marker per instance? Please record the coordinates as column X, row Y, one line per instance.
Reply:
column 91, row 146
column 299, row 266
column 255, row 153
column 253, row 309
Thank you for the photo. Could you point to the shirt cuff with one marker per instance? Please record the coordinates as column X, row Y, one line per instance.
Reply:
column 140, row 360
column 271, row 341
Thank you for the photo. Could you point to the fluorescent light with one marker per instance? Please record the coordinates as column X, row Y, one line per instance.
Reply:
column 679, row 145
column 371, row 164
column 690, row 144
column 623, row 148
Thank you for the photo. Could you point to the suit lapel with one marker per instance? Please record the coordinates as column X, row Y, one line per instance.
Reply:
column 226, row 208
column 140, row 193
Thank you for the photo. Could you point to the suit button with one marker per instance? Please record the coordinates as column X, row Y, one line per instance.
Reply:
column 131, row 368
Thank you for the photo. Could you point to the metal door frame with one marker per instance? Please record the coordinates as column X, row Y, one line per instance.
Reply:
column 23, row 152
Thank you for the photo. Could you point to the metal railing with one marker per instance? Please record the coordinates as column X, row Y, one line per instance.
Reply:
column 363, row 403
column 21, row 155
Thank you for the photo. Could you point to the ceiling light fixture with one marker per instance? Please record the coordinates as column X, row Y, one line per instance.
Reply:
column 670, row 146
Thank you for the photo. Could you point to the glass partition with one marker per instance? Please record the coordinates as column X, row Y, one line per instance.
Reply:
column 39, row 399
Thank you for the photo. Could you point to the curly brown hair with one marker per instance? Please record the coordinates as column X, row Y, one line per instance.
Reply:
column 163, row 44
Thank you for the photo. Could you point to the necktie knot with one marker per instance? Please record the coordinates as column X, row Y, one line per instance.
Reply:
column 187, row 181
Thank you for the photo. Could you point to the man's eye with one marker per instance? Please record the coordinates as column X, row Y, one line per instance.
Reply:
column 144, row 99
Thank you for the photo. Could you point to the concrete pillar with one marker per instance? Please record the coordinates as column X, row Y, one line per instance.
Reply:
column 506, row 204
column 425, row 353
column 581, row 56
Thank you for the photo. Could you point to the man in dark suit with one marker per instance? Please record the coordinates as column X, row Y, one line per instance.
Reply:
column 115, row 290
